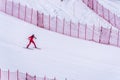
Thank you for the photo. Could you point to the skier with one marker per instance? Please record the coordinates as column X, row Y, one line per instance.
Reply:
column 31, row 41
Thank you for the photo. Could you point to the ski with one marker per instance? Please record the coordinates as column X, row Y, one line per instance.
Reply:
column 28, row 48
column 38, row 48
column 32, row 48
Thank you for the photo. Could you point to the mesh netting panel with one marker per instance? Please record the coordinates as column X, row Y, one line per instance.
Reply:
column 15, row 9
column 119, row 39
column 22, row 12
column 100, row 11
column 4, row 75
column 106, row 14
column 13, row 76
column 117, row 22
column 89, row 32
column 96, row 34
column 112, row 18
column 85, row 1
column 22, row 76
column 74, row 29
column 95, row 5
column 2, row 5
column 46, row 22
column 53, row 23
column 67, row 28
column 82, row 31
column 114, row 37
column 59, row 25
column 9, row 7
column 29, row 77
column 90, row 3
column 34, row 17
column 40, row 20
column 28, row 14
column 105, row 35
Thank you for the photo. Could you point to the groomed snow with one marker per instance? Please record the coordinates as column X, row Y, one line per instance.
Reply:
column 61, row 56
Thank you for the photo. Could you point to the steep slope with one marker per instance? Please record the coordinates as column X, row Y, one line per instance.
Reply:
column 74, row 10
column 61, row 56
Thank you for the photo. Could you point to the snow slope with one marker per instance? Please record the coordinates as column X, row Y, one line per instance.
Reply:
column 112, row 5
column 74, row 10
column 61, row 56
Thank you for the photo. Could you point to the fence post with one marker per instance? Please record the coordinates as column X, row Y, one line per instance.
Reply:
column 88, row 3
column 118, row 38
column 44, row 77
column 63, row 25
column 26, row 75
column 108, row 16
column 78, row 29
column 25, row 13
column 56, row 23
column 5, row 5
column 83, row 0
column 42, row 20
column 115, row 20
column 70, row 27
column 49, row 22
column 109, row 35
column 100, row 34
column 12, row 8
column 92, row 4
column 93, row 33
column 85, row 31
column 31, row 15
column 102, row 11
column 0, row 73
column 8, row 75
column 37, row 17
column 97, row 7
column 54, row 78
column 35, row 77
column 19, row 10
column 17, row 75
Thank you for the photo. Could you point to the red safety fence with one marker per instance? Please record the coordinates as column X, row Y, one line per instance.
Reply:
column 56, row 24
column 20, row 11
column 105, row 13
column 8, row 75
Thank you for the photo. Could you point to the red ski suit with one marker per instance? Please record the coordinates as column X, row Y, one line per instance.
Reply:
column 31, row 41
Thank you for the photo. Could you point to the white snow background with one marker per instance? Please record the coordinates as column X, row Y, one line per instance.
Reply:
column 60, row 56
